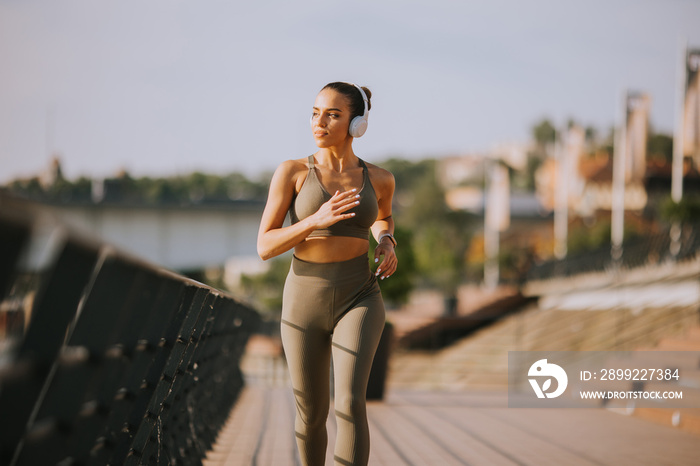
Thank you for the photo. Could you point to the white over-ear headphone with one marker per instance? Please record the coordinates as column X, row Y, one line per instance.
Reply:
column 358, row 125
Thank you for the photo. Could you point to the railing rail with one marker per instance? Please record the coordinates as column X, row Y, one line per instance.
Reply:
column 106, row 359
column 637, row 252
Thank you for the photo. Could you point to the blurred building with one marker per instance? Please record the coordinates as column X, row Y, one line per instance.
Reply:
column 51, row 174
column 691, row 108
column 528, row 226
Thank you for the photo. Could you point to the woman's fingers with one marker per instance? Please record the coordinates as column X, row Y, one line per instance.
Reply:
column 389, row 262
column 346, row 200
column 344, row 194
column 336, row 208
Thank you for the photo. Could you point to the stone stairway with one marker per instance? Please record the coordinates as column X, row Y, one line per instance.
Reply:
column 480, row 361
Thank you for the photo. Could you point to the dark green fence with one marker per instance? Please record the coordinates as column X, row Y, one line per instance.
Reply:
column 105, row 359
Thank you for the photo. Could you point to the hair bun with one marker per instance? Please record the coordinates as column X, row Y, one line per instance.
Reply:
column 368, row 93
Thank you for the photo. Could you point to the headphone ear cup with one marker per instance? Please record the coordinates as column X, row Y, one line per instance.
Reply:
column 358, row 126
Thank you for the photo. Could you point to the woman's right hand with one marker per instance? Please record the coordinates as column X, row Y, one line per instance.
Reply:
column 336, row 209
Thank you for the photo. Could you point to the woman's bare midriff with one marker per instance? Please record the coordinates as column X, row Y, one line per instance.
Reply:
column 331, row 249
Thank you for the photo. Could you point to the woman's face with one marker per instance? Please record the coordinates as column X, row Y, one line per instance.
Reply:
column 330, row 118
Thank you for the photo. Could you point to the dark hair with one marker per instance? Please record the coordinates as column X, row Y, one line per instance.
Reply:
column 357, row 105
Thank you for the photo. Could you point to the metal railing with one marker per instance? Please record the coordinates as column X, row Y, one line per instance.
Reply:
column 105, row 359
column 637, row 252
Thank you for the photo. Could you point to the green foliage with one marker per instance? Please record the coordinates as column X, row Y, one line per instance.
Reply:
column 660, row 146
column 588, row 238
column 266, row 289
column 513, row 263
column 544, row 132
column 439, row 261
column 193, row 188
column 440, row 237
column 62, row 190
column 408, row 173
column 685, row 211
column 397, row 288
column 591, row 237
column 30, row 188
column 591, row 135
column 525, row 180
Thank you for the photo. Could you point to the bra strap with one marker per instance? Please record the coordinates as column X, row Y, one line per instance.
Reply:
column 311, row 162
column 365, row 171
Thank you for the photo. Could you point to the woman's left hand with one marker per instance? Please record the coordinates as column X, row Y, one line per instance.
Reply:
column 389, row 262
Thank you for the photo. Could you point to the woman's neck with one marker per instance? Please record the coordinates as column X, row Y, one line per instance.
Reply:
column 337, row 160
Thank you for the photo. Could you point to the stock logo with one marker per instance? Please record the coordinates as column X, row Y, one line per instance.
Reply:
column 542, row 369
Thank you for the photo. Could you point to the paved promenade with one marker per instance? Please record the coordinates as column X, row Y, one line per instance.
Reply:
column 457, row 428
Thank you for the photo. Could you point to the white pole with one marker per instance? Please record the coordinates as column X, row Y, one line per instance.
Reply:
column 492, row 239
column 561, row 197
column 677, row 166
column 492, row 236
column 618, row 182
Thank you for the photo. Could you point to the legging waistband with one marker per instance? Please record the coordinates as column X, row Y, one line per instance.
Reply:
column 332, row 271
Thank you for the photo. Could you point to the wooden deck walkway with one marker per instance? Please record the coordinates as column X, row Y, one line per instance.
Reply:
column 450, row 407
column 412, row 427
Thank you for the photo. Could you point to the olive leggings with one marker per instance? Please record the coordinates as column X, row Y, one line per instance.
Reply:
column 331, row 309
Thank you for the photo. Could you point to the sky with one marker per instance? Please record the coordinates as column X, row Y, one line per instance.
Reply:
column 166, row 87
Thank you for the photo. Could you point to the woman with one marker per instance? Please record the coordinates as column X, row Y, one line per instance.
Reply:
column 332, row 306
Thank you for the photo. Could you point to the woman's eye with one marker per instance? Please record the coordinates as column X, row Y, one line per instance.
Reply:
column 334, row 115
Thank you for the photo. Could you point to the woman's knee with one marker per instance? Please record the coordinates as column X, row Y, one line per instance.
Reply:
column 350, row 407
column 312, row 413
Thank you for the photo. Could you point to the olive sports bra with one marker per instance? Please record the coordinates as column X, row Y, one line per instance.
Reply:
column 312, row 195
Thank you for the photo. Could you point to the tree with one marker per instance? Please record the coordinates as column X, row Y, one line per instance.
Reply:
column 440, row 236
column 265, row 289
column 660, row 147
column 686, row 211
column 397, row 289
column 544, row 133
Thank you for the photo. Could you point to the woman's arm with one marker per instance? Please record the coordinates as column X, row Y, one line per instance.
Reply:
column 384, row 187
column 273, row 238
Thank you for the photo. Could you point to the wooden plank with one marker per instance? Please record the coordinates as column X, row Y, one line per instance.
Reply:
column 277, row 442
column 237, row 440
column 403, row 430
column 456, row 428
column 606, row 437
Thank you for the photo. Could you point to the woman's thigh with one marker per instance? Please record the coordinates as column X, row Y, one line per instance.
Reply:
column 355, row 340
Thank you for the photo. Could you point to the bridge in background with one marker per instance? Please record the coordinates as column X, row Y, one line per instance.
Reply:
column 178, row 237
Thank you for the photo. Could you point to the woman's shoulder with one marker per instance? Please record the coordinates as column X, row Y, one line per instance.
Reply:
column 294, row 165
column 292, row 168
column 380, row 176
column 292, row 172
